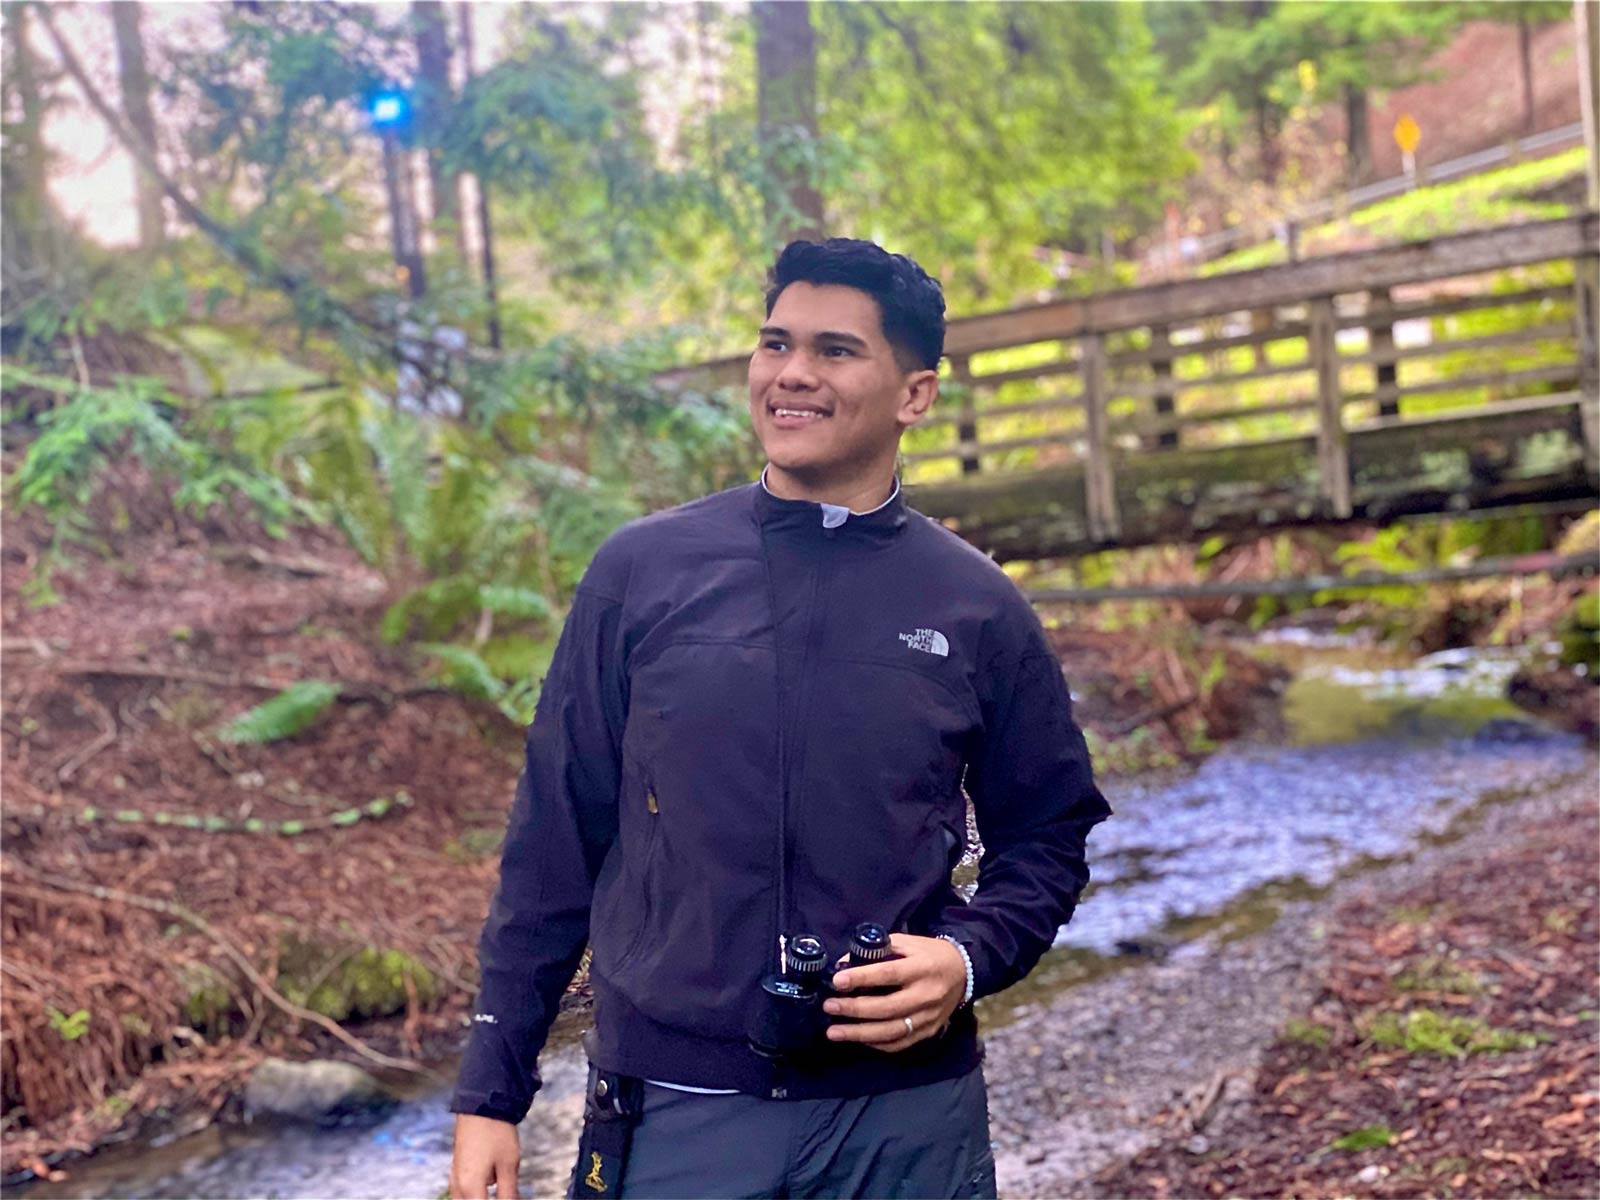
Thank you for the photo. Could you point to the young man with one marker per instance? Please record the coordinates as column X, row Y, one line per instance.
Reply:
column 757, row 726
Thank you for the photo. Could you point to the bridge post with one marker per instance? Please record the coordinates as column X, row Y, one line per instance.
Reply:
column 1586, row 311
column 1333, row 451
column 1100, row 498
column 967, row 422
column 1380, row 340
column 1165, row 399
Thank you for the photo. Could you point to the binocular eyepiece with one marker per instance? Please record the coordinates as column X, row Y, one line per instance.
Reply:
column 788, row 1016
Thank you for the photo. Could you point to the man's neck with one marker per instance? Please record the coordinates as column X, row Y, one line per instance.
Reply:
column 860, row 495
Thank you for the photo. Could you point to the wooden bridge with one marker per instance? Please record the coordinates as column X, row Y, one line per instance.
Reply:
column 1452, row 375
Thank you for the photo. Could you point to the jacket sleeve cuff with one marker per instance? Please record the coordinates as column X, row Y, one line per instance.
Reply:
column 472, row 1104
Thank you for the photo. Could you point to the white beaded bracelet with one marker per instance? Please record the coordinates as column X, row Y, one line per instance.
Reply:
column 966, row 960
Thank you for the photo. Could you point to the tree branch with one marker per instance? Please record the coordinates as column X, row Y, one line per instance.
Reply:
column 190, row 917
column 250, row 257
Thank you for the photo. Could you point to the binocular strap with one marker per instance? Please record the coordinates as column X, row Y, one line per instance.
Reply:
column 612, row 1106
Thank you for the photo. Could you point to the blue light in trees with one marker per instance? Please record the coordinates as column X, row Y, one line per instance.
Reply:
column 388, row 108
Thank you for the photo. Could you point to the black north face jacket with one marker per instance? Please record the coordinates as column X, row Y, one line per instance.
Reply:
column 740, row 691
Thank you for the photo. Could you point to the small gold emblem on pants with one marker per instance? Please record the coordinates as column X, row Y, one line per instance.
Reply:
column 592, row 1179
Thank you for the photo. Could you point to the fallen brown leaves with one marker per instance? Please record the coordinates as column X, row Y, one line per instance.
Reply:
column 1505, row 948
column 101, row 964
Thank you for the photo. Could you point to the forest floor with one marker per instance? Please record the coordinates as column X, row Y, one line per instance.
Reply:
column 1429, row 1029
column 150, row 966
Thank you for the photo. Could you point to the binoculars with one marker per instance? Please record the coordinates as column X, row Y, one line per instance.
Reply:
column 788, row 1017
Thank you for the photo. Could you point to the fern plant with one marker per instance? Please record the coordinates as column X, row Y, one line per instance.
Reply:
column 79, row 440
column 286, row 714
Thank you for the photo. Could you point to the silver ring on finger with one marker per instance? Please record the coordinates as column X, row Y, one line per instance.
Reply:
column 910, row 1028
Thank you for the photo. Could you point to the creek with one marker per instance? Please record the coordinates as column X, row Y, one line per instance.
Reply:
column 1377, row 755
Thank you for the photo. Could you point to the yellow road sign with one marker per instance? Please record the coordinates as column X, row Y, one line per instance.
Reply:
column 1407, row 133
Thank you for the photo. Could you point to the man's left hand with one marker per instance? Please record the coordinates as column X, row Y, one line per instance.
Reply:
column 929, row 979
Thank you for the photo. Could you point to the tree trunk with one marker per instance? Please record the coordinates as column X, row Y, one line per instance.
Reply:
column 1525, row 51
column 1357, row 136
column 786, row 103
column 27, row 163
column 135, row 79
column 1267, row 141
column 431, row 101
column 32, row 249
column 485, row 224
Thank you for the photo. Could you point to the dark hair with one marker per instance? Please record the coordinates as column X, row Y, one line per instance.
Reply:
column 910, row 302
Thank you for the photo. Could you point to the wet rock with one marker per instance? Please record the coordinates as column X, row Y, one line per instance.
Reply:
column 1561, row 695
column 1142, row 947
column 1512, row 731
column 321, row 1091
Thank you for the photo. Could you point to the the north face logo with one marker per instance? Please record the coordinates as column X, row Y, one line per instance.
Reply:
column 929, row 641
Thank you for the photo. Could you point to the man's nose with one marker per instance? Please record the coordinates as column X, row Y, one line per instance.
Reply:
column 797, row 374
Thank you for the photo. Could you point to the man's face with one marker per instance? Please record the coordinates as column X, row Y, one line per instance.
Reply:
column 827, row 398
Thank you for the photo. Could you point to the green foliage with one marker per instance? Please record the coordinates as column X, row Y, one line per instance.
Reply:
column 1389, row 551
column 1579, row 634
column 1368, row 1137
column 208, row 1002
column 1255, row 63
column 559, row 134
column 474, row 845
column 71, row 1026
column 285, row 715
column 464, row 671
column 100, row 293
column 79, row 441
column 1067, row 133
column 1307, row 1033
column 1437, row 975
column 1498, row 197
column 341, row 985
column 1423, row 1031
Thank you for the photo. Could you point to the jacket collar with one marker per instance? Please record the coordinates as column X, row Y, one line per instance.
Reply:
column 878, row 524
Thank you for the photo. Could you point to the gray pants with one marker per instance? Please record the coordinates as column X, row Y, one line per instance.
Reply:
column 924, row 1141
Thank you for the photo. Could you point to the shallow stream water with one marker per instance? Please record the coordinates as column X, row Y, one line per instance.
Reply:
column 1378, row 756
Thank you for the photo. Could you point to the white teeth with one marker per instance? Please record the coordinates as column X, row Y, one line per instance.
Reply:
column 796, row 412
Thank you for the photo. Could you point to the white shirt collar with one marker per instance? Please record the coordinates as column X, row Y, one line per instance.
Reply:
column 835, row 515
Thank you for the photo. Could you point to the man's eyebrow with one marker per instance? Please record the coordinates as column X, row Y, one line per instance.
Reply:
column 827, row 335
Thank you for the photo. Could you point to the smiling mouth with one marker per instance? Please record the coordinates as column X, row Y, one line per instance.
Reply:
column 802, row 413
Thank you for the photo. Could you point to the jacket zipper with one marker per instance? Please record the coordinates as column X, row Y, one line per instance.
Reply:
column 797, row 754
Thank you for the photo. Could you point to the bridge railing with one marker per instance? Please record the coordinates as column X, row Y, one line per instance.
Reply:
column 1326, row 348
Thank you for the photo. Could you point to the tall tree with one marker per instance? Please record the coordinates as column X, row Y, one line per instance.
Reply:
column 134, row 76
column 1528, row 16
column 1253, row 53
column 786, row 77
column 485, row 217
column 1064, row 132
column 32, row 233
column 1230, row 55
column 433, row 99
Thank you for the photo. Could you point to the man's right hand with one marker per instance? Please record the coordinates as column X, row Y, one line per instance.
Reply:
column 487, row 1153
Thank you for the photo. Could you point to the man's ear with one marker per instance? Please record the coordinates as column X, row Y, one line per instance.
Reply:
column 922, row 389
